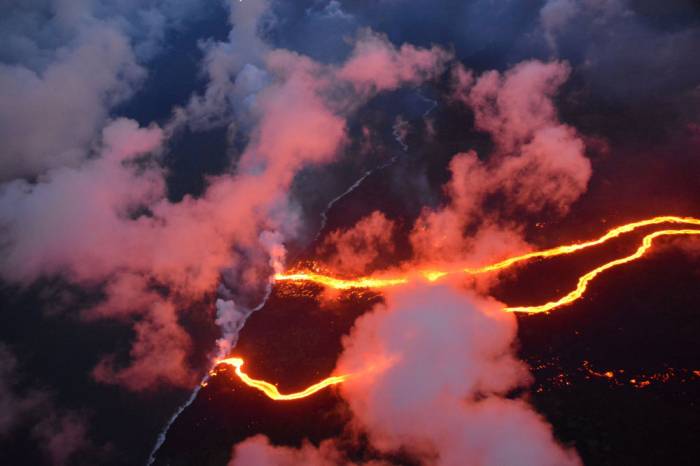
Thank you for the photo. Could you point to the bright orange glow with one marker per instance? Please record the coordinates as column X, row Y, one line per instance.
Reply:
column 434, row 275
column 271, row 391
column 339, row 283
column 569, row 248
column 586, row 279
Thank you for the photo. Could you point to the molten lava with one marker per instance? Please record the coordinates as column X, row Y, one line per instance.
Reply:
column 584, row 280
column 570, row 248
column 434, row 275
column 339, row 283
column 271, row 391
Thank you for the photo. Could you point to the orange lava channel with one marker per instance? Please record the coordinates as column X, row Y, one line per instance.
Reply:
column 577, row 293
column 339, row 283
column 271, row 391
column 584, row 280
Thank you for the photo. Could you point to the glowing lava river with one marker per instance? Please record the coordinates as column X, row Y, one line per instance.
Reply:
column 380, row 282
column 434, row 275
column 270, row 390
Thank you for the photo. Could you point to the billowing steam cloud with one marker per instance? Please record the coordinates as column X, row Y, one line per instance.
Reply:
column 356, row 250
column 538, row 165
column 439, row 362
column 257, row 451
column 431, row 371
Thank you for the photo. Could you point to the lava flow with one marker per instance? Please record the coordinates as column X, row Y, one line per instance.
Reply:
column 339, row 283
column 586, row 279
column 577, row 293
column 382, row 282
column 271, row 391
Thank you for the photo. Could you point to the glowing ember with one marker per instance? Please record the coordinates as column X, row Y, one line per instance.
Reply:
column 271, row 391
column 616, row 377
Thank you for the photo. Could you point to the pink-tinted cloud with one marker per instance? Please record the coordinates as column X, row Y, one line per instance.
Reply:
column 257, row 451
column 538, row 165
column 377, row 65
column 439, row 235
column 446, row 357
column 539, row 161
column 354, row 251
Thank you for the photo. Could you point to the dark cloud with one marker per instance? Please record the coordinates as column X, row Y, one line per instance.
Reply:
column 61, row 434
